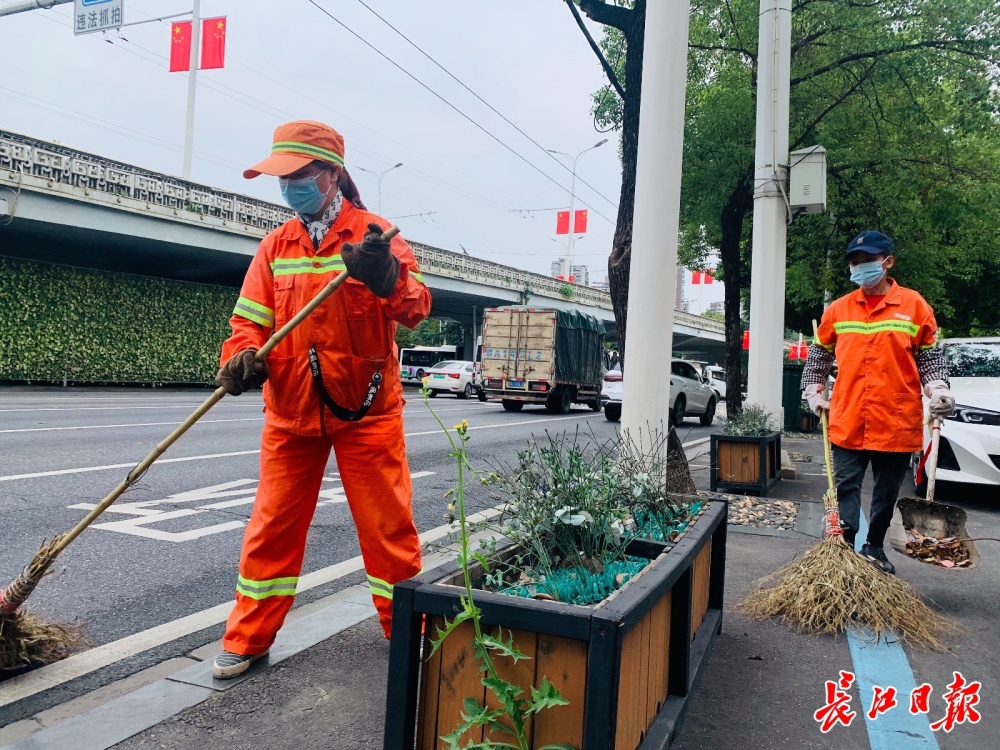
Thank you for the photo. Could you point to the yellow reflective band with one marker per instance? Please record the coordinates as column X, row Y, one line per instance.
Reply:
column 828, row 347
column 264, row 589
column 869, row 329
column 291, row 266
column 307, row 149
column 254, row 311
column 418, row 276
column 922, row 349
column 379, row 587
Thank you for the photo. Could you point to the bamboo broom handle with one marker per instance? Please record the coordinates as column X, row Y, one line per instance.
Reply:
column 827, row 454
column 216, row 397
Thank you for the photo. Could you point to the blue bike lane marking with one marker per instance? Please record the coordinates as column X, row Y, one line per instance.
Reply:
column 885, row 664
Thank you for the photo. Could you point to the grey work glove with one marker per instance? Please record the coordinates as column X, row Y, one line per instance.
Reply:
column 241, row 373
column 813, row 395
column 372, row 262
column 942, row 402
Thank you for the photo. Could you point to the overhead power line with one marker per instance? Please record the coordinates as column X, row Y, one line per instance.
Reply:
column 403, row 70
column 491, row 107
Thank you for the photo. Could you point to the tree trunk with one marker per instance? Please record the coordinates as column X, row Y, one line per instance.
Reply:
column 620, row 259
column 734, row 215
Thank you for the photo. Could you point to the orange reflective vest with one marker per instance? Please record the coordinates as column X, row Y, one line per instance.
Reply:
column 353, row 331
column 876, row 403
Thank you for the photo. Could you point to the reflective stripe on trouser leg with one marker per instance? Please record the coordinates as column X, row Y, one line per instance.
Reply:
column 291, row 472
column 371, row 459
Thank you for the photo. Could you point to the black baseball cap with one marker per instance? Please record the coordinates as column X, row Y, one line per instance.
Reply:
column 871, row 242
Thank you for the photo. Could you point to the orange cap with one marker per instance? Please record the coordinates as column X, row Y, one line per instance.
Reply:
column 298, row 143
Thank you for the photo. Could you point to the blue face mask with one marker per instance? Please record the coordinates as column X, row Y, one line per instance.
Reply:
column 867, row 275
column 302, row 196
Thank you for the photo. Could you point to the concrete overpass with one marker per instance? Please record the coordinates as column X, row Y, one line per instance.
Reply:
column 64, row 206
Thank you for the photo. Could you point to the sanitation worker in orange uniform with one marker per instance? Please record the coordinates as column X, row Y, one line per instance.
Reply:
column 883, row 338
column 317, row 385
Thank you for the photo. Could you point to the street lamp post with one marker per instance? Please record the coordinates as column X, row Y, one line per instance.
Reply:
column 380, row 176
column 572, row 196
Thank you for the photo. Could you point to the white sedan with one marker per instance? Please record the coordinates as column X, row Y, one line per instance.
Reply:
column 970, row 439
column 452, row 376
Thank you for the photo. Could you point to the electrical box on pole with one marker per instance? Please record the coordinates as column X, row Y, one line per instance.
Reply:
column 807, row 183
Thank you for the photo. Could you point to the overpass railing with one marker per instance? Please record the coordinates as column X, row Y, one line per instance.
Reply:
column 56, row 164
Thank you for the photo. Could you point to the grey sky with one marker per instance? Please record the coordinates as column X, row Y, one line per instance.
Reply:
column 286, row 60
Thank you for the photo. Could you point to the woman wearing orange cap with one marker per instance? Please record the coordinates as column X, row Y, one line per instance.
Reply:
column 317, row 382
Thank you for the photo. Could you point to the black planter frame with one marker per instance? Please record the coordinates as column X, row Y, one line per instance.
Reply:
column 602, row 627
column 764, row 483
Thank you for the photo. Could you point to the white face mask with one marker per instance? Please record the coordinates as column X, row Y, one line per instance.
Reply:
column 868, row 275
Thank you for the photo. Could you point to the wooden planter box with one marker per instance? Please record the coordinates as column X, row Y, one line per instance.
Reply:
column 626, row 665
column 745, row 464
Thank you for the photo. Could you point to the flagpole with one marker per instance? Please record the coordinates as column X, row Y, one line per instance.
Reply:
column 192, row 87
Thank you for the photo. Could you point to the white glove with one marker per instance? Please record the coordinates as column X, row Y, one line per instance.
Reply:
column 813, row 394
column 942, row 402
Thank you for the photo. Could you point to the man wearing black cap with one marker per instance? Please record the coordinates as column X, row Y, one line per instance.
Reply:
column 883, row 339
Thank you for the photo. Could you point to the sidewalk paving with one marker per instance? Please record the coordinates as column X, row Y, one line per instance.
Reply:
column 759, row 689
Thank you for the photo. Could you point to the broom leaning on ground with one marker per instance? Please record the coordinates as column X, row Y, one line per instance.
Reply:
column 831, row 588
column 26, row 640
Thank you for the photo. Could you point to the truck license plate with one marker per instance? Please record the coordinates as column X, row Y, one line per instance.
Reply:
column 515, row 384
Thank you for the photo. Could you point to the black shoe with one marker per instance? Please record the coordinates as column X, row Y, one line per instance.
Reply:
column 876, row 556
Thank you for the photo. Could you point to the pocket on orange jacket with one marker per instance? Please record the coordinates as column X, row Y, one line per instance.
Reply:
column 360, row 303
column 283, row 390
column 346, row 379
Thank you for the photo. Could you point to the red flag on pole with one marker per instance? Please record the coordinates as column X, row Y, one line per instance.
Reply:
column 696, row 277
column 562, row 222
column 213, row 43
column 180, row 46
column 746, row 340
column 709, row 278
column 580, row 222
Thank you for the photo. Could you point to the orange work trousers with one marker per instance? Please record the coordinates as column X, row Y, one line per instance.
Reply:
column 371, row 460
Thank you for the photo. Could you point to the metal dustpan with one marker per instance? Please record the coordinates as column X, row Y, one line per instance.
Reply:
column 936, row 532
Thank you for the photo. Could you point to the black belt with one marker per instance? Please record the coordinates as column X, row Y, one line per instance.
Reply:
column 344, row 415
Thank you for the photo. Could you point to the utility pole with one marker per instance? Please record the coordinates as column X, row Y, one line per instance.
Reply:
column 653, row 275
column 192, row 88
column 10, row 10
column 770, row 208
column 568, row 264
column 380, row 176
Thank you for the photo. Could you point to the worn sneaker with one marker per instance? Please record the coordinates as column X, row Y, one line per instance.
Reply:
column 876, row 556
column 228, row 665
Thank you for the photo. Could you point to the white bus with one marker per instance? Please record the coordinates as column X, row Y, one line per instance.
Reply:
column 414, row 363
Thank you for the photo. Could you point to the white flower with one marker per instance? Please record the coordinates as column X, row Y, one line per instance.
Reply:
column 617, row 526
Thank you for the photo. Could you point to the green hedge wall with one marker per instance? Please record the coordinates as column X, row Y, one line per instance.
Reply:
column 67, row 324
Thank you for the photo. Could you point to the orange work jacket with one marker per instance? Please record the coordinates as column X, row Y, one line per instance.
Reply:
column 353, row 331
column 876, row 403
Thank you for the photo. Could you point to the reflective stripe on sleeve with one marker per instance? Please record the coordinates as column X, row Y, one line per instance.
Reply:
column 264, row 589
column 254, row 311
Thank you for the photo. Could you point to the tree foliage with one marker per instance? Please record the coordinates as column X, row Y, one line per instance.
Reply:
column 904, row 96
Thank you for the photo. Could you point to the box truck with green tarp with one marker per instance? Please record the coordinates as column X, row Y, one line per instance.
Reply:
column 532, row 355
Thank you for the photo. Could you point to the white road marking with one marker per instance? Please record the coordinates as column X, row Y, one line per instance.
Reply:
column 145, row 513
column 45, row 678
column 191, row 406
column 138, row 424
column 58, row 472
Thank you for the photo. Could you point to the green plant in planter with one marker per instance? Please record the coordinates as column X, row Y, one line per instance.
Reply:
column 567, row 291
column 485, row 646
column 753, row 421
